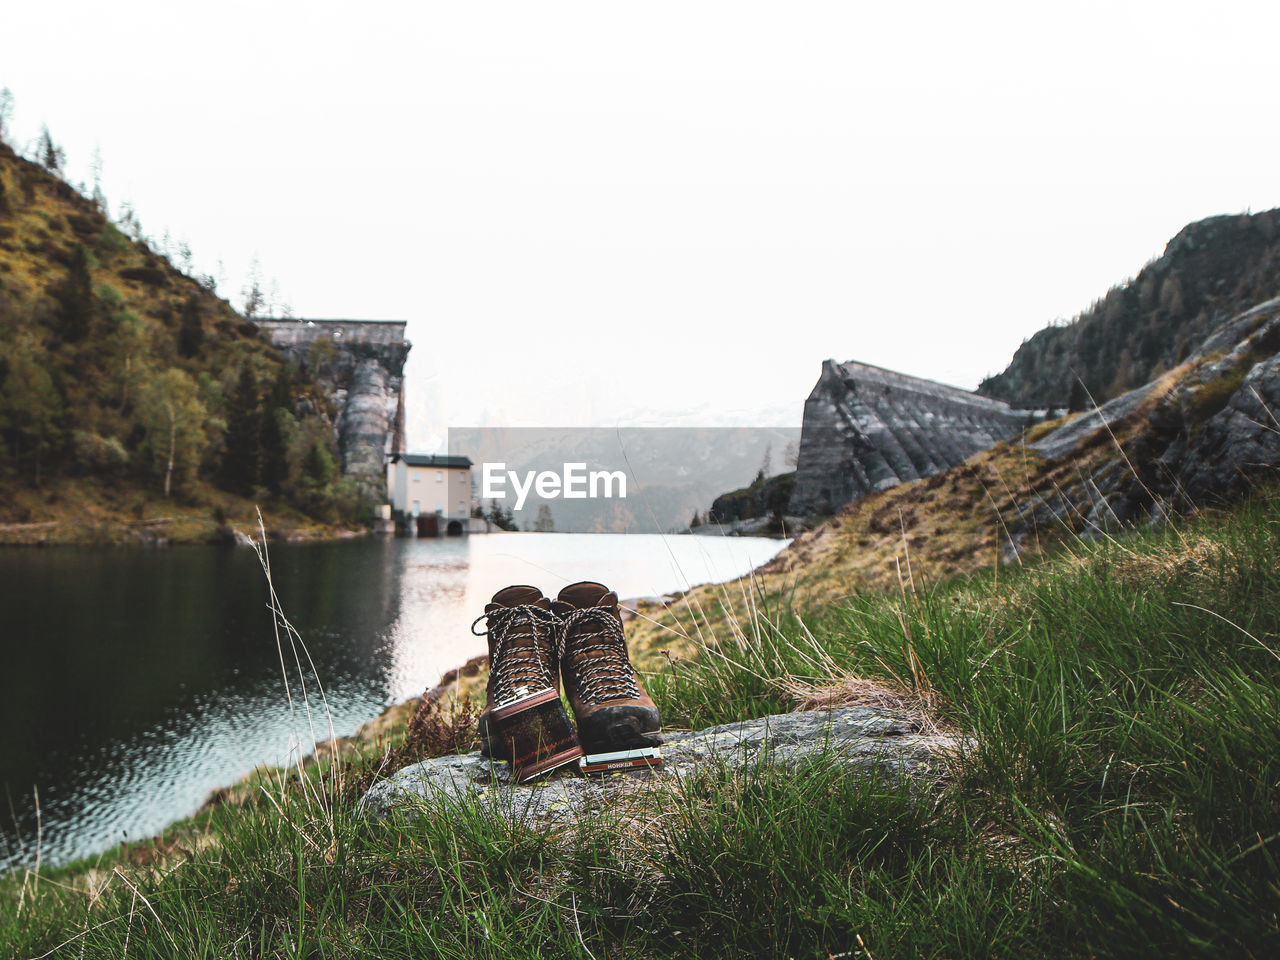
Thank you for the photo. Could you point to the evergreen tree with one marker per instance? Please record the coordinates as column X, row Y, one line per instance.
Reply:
column 1077, row 398
column 277, row 413
column 75, row 299
column 52, row 156
column 241, row 462
column 191, row 328
column 502, row 519
column 30, row 404
column 545, row 522
column 318, row 466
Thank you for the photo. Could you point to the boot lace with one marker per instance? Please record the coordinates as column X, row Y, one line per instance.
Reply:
column 518, row 634
column 600, row 660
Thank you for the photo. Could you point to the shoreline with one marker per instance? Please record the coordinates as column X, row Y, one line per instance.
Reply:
column 165, row 532
column 458, row 682
column 76, row 511
column 381, row 732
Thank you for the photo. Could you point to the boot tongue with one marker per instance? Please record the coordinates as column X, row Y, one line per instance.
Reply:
column 519, row 595
column 588, row 594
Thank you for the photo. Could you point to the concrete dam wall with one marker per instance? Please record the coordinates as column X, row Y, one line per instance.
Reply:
column 867, row 429
column 360, row 364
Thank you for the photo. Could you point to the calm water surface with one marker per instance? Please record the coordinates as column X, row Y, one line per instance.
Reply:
column 134, row 682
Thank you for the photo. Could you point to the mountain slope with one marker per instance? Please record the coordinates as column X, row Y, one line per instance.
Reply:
column 126, row 385
column 1201, row 435
column 1212, row 269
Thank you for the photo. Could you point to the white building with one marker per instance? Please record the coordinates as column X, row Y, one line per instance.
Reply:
column 431, row 492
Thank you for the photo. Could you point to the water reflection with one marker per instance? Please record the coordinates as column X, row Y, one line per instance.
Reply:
column 138, row 681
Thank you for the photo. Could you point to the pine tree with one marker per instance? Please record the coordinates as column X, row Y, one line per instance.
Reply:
column 545, row 522
column 318, row 467
column 75, row 299
column 241, row 462
column 1077, row 398
column 52, row 156
column 276, row 414
column 191, row 328
column 30, row 404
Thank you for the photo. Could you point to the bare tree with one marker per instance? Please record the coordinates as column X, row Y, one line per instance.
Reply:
column 254, row 297
column 129, row 223
column 6, row 113
column 273, row 298
column 95, row 170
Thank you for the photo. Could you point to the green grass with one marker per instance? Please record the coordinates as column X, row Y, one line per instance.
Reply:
column 1118, row 797
column 1123, row 702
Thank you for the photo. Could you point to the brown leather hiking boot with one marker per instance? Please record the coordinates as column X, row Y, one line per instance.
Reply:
column 610, row 705
column 522, row 658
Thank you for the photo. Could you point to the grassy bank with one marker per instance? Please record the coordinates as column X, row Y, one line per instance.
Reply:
column 1119, row 796
column 91, row 512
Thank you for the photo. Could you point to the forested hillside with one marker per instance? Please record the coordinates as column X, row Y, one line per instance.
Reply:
column 1212, row 269
column 127, row 386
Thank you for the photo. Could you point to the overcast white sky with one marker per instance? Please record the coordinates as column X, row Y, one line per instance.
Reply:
column 593, row 213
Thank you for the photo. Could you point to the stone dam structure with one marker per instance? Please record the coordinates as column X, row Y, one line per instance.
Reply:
column 867, row 429
column 360, row 364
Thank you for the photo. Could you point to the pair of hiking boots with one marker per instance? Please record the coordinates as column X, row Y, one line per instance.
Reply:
column 534, row 643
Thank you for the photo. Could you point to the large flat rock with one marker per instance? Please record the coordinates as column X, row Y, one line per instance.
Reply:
column 860, row 738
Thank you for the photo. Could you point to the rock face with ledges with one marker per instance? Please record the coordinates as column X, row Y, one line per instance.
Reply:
column 1241, row 444
column 360, row 364
column 867, row 429
column 1203, row 434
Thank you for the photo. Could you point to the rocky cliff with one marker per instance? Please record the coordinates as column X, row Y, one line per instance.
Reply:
column 360, row 363
column 1213, row 269
column 765, row 497
column 1201, row 435
column 867, row 429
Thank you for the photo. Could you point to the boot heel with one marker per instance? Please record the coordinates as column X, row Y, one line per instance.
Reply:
column 535, row 734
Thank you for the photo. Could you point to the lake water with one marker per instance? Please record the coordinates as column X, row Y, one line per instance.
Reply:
column 136, row 681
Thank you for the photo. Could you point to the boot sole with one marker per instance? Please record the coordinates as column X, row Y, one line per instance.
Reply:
column 620, row 728
column 606, row 730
